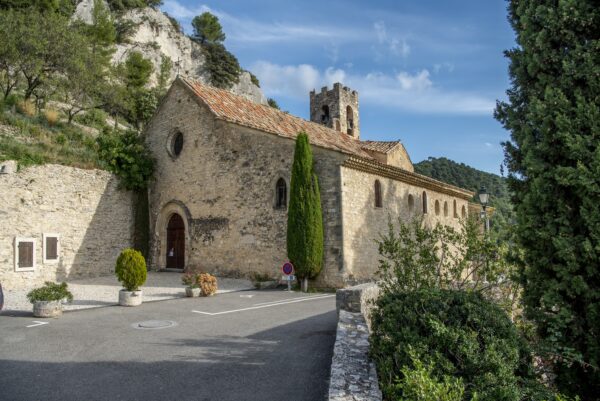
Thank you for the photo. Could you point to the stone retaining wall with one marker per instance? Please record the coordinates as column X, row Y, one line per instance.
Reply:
column 91, row 216
column 353, row 374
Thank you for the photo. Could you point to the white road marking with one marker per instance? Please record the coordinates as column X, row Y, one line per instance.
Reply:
column 37, row 324
column 246, row 296
column 292, row 299
column 263, row 306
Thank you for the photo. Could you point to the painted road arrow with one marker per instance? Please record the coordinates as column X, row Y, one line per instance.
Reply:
column 37, row 324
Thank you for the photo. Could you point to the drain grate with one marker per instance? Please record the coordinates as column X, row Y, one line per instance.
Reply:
column 154, row 324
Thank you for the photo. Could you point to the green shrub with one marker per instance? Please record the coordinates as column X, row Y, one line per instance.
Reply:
column 131, row 269
column 93, row 118
column 11, row 101
column 126, row 155
column 50, row 292
column 420, row 384
column 457, row 334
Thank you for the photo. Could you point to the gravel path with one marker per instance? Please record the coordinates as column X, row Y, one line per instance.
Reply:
column 104, row 291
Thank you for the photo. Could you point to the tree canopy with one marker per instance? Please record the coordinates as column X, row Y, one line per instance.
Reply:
column 553, row 158
column 207, row 28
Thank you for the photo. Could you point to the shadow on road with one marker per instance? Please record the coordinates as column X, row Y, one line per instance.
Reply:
column 289, row 362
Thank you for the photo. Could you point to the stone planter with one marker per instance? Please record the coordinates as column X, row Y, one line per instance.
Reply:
column 192, row 292
column 47, row 309
column 130, row 298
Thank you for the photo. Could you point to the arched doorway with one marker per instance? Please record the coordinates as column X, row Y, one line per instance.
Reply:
column 175, row 242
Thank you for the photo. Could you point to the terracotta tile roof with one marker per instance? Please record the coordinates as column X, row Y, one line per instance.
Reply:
column 379, row 146
column 239, row 110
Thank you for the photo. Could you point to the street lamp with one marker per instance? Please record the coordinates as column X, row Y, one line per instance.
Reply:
column 483, row 198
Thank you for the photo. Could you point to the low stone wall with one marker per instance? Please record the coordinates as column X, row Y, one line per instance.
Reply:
column 353, row 374
column 85, row 209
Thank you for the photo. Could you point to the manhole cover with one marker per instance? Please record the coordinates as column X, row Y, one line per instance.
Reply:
column 154, row 324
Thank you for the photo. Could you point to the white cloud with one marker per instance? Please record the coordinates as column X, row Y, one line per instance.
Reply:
column 395, row 45
column 249, row 30
column 418, row 82
column 380, row 31
column 399, row 47
column 437, row 68
column 414, row 92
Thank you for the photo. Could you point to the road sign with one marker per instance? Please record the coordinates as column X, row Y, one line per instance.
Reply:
column 287, row 268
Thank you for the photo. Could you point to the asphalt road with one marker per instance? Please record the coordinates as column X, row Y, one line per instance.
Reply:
column 250, row 345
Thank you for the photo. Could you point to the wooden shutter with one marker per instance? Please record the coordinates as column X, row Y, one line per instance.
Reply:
column 25, row 254
column 51, row 248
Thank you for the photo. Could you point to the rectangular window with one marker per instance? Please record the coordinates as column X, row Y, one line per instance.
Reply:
column 51, row 248
column 24, row 254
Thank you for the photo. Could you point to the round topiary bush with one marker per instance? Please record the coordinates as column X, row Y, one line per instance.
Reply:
column 131, row 269
column 457, row 334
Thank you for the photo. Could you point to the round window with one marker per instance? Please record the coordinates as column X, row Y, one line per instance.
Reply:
column 177, row 144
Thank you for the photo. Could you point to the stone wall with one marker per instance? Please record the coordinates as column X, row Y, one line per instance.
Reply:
column 353, row 374
column 363, row 222
column 223, row 185
column 93, row 217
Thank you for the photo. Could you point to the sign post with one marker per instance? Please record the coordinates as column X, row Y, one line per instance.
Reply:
column 288, row 270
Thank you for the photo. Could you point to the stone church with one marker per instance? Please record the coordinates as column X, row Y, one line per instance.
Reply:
column 219, row 198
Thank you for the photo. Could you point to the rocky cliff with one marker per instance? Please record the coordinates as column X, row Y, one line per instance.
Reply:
column 155, row 35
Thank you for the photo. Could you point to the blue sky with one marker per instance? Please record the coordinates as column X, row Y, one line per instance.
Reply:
column 427, row 72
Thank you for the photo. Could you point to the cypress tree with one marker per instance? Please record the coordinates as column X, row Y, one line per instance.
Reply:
column 553, row 113
column 305, row 221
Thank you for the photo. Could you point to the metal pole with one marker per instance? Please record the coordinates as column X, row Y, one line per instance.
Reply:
column 486, row 222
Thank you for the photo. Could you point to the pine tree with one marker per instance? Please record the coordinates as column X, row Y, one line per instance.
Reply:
column 553, row 158
column 305, row 221
column 207, row 29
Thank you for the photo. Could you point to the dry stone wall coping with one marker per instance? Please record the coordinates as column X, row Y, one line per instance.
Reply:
column 353, row 374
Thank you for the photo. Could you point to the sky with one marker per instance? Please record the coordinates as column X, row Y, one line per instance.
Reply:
column 428, row 73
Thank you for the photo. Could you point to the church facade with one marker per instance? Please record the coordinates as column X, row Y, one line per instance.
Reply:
column 219, row 197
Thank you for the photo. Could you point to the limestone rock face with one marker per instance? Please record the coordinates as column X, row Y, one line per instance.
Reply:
column 84, row 9
column 155, row 36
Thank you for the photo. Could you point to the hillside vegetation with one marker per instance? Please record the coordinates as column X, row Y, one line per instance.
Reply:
column 467, row 177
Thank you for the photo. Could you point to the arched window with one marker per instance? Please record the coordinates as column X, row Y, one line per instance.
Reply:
column 445, row 209
column 464, row 212
column 378, row 200
column 424, row 202
column 455, row 210
column 325, row 114
column 411, row 203
column 350, row 120
column 437, row 207
column 281, row 194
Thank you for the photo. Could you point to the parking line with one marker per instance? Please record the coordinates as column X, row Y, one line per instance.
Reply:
column 292, row 299
column 263, row 306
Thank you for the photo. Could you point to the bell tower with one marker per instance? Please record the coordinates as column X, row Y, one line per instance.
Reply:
column 336, row 108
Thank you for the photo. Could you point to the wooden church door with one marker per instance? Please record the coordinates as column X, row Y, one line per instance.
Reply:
column 175, row 243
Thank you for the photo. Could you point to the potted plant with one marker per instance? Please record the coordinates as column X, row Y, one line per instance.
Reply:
column 47, row 300
column 131, row 272
column 190, row 280
column 208, row 284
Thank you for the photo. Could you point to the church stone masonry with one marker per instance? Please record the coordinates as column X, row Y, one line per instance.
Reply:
column 219, row 198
